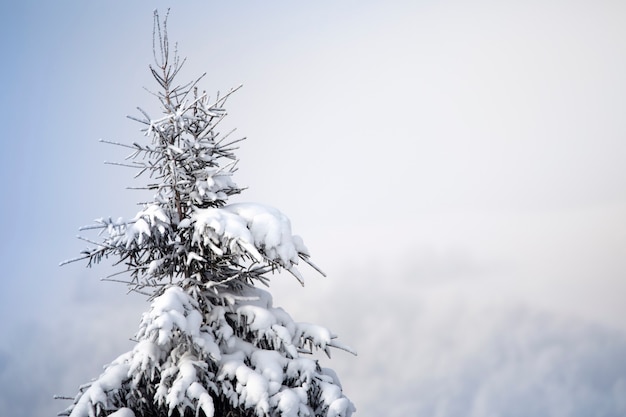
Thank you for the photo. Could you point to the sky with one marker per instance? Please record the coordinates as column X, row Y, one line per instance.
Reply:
column 456, row 168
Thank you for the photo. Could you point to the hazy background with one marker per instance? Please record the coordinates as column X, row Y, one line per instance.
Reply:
column 457, row 168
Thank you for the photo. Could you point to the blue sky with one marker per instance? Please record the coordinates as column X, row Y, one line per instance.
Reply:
column 457, row 168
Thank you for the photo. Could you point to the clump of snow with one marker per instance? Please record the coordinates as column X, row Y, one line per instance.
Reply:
column 224, row 232
column 291, row 403
column 257, row 318
column 341, row 407
column 272, row 232
column 246, row 229
column 210, row 186
column 123, row 412
column 97, row 395
column 173, row 311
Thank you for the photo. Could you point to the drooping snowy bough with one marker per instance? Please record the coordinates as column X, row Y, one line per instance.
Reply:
column 212, row 343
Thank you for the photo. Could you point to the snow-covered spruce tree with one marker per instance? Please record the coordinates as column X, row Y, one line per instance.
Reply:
column 212, row 343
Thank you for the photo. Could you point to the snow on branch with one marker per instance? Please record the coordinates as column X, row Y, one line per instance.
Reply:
column 246, row 356
column 160, row 250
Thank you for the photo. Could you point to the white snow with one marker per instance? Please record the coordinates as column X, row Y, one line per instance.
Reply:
column 249, row 230
column 319, row 336
column 223, row 232
column 302, row 370
column 146, row 354
column 97, row 394
column 285, row 339
column 185, row 377
column 329, row 392
column 185, row 223
column 138, row 230
column 288, row 402
column 174, row 336
column 123, row 412
column 174, row 309
column 257, row 318
column 154, row 266
column 205, row 401
column 252, row 388
column 211, row 185
column 153, row 217
column 192, row 256
column 271, row 230
column 270, row 364
column 341, row 407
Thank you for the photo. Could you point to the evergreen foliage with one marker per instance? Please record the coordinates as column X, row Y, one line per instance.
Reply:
column 212, row 343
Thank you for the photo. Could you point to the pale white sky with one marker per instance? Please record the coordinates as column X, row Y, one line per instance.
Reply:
column 455, row 167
